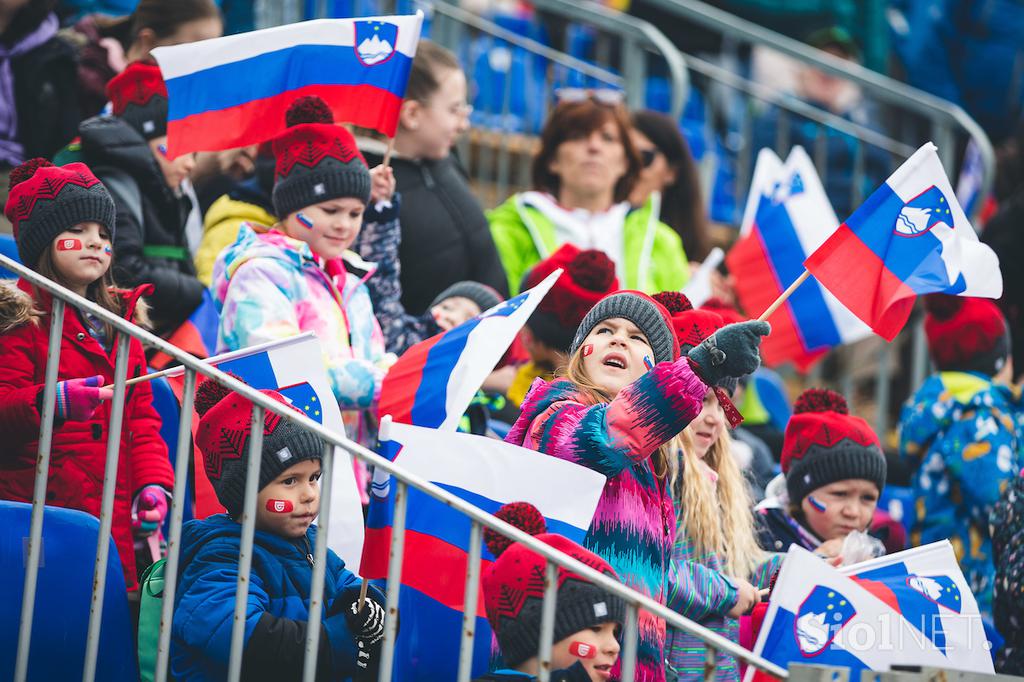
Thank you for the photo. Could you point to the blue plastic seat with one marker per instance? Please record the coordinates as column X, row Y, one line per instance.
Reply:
column 63, row 594
column 9, row 248
column 899, row 502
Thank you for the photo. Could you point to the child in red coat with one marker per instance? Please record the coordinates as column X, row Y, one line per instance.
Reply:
column 63, row 220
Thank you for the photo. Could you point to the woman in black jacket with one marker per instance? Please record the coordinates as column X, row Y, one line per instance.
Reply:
column 445, row 235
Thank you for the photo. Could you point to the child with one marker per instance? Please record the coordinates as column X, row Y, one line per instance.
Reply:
column 961, row 433
column 587, row 278
column 588, row 620
column 129, row 154
column 462, row 302
column 716, row 557
column 834, row 474
column 610, row 413
column 298, row 275
column 282, row 559
column 63, row 222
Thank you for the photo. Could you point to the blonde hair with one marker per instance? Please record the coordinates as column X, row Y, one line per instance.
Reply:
column 663, row 464
column 716, row 518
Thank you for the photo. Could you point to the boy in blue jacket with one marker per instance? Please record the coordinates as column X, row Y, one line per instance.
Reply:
column 282, row 564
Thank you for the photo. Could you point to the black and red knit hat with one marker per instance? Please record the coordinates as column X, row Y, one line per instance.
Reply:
column 640, row 309
column 692, row 325
column 316, row 160
column 223, row 437
column 45, row 200
column 587, row 277
column 727, row 311
column 824, row 444
column 966, row 334
column 138, row 96
column 514, row 588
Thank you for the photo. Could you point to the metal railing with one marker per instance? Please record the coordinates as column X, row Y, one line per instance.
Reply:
column 402, row 480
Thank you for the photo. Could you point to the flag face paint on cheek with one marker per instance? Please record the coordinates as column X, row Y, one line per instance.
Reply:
column 648, row 363
column 582, row 650
column 301, row 217
column 817, row 504
column 279, row 506
column 69, row 245
column 107, row 250
column 588, row 348
column 162, row 148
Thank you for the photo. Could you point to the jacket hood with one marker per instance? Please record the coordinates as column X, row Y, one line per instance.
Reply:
column 232, row 207
column 109, row 141
column 541, row 396
column 198, row 533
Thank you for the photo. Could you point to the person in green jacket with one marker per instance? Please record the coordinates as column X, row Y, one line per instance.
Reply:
column 582, row 178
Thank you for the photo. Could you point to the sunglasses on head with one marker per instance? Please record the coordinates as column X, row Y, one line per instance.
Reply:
column 607, row 96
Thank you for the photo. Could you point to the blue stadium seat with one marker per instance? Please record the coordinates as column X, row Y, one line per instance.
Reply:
column 899, row 502
column 9, row 248
column 63, row 595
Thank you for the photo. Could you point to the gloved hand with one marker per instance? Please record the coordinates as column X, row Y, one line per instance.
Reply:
column 149, row 509
column 732, row 351
column 77, row 399
column 367, row 626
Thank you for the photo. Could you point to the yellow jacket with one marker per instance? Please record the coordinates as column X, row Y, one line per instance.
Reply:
column 220, row 230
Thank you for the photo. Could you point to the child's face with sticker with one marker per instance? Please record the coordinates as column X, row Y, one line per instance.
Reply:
column 329, row 227
column 287, row 505
column 82, row 254
column 837, row 509
column 613, row 354
column 597, row 647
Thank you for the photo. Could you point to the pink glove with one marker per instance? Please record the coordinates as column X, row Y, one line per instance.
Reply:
column 149, row 510
column 77, row 399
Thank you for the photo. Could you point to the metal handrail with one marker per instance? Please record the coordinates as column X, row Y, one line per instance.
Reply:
column 262, row 403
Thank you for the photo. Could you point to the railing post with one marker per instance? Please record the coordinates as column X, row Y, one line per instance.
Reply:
column 470, row 602
column 394, row 580
column 35, row 533
column 316, row 588
column 547, row 621
column 252, row 478
column 630, row 642
column 99, row 580
column 178, row 502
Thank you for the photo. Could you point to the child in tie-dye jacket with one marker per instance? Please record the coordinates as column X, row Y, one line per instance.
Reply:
column 298, row 276
column 625, row 394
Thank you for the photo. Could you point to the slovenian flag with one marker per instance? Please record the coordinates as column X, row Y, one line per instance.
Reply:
column 434, row 381
column 487, row 473
column 911, row 608
column 284, row 366
column 234, row 91
column 787, row 217
column 910, row 238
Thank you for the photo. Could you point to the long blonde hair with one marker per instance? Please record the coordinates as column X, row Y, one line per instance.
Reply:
column 663, row 463
column 716, row 518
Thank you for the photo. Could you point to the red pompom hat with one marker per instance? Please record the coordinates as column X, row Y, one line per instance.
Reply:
column 824, row 444
column 966, row 334
column 587, row 277
column 138, row 96
column 316, row 160
column 692, row 325
column 514, row 588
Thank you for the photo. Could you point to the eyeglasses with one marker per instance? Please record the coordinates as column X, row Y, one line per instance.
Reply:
column 606, row 96
column 647, row 157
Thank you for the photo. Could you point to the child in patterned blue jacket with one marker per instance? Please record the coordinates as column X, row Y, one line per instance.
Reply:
column 282, row 563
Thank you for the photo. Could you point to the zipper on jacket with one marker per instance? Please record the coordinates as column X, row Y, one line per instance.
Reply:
column 309, row 550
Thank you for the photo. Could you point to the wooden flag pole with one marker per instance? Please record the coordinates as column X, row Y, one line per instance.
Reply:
column 362, row 595
column 785, row 294
column 147, row 377
column 387, row 154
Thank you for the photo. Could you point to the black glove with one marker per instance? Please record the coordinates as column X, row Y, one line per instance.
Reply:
column 574, row 673
column 367, row 627
column 732, row 351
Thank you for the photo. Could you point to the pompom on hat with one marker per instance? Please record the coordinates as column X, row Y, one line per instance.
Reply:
column 824, row 444
column 316, row 160
column 223, row 437
column 138, row 96
column 514, row 588
column 587, row 277
column 45, row 200
column 966, row 334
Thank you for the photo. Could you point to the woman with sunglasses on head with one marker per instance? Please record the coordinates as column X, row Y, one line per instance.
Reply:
column 582, row 178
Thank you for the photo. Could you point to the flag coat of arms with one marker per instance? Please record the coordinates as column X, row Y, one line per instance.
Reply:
column 910, row 608
column 910, row 238
column 487, row 473
column 434, row 381
column 284, row 366
column 787, row 217
column 360, row 67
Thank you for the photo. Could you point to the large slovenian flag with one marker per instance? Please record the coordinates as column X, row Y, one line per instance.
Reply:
column 234, row 91
column 487, row 473
column 912, row 608
column 434, row 381
column 787, row 217
column 910, row 238
column 284, row 366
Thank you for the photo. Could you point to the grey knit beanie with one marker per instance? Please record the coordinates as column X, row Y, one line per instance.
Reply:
column 640, row 309
column 481, row 294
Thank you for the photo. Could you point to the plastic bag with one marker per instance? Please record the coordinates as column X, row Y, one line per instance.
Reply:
column 859, row 546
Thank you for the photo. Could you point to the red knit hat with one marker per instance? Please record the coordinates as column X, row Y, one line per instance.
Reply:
column 692, row 325
column 728, row 312
column 824, row 444
column 966, row 334
column 587, row 277
column 514, row 587
column 316, row 160
column 138, row 95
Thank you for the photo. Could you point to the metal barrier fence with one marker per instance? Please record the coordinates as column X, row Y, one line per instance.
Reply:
column 124, row 331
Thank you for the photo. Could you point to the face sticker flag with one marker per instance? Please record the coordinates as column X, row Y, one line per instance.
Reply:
column 306, row 222
column 69, row 245
column 280, row 506
column 582, row 650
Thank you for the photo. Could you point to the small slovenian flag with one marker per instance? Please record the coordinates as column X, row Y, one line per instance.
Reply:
column 434, row 381
column 910, row 238
column 360, row 67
